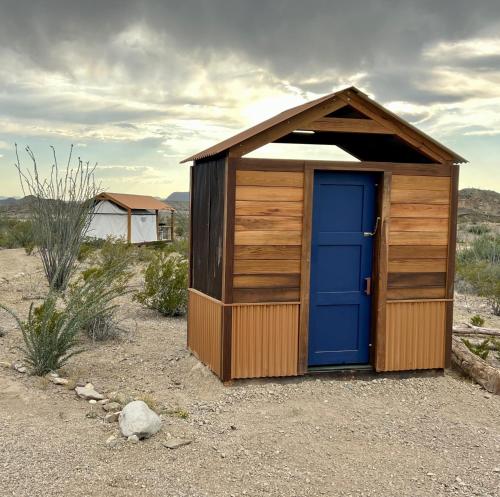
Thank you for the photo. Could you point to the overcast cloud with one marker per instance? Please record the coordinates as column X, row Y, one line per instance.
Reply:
column 138, row 85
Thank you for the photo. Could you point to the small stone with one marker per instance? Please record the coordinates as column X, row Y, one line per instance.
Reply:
column 6, row 365
column 175, row 443
column 103, row 401
column 487, row 395
column 17, row 366
column 92, row 401
column 59, row 381
column 112, row 407
column 88, row 393
column 112, row 417
column 53, row 375
column 133, row 439
column 496, row 470
column 431, row 474
column 112, row 441
column 233, row 427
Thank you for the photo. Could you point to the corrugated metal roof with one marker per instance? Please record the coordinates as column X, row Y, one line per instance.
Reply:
column 225, row 145
column 130, row 201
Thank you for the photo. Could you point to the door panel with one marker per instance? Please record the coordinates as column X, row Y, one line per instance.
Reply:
column 341, row 259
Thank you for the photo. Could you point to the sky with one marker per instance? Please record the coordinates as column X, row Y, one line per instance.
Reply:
column 136, row 86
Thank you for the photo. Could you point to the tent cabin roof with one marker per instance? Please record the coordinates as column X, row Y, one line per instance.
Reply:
column 135, row 202
column 348, row 119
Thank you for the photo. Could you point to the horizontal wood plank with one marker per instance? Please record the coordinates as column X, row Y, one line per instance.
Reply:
column 267, row 281
column 433, row 211
column 271, row 193
column 421, row 183
column 267, row 252
column 419, row 224
column 419, row 196
column 255, row 295
column 417, row 238
column 416, row 280
column 259, row 223
column 417, row 266
column 418, row 252
column 267, row 237
column 345, row 125
column 268, row 208
column 269, row 178
column 416, row 293
column 261, row 266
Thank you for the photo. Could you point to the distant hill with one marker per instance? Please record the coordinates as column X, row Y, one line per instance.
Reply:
column 178, row 197
column 475, row 205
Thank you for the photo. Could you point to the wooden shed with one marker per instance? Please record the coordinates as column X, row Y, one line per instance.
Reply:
column 302, row 265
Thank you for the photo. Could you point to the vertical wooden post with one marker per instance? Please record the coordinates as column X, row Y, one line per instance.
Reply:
column 450, row 269
column 129, row 225
column 172, row 231
column 157, row 225
column 381, row 267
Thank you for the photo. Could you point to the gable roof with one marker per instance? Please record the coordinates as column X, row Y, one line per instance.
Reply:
column 349, row 96
column 130, row 201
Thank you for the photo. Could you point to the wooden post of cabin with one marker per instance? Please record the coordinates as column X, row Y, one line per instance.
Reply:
column 157, row 225
column 171, row 226
column 129, row 225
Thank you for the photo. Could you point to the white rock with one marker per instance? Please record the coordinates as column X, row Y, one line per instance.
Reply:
column 138, row 419
column 59, row 381
column 88, row 393
column 17, row 366
column 92, row 401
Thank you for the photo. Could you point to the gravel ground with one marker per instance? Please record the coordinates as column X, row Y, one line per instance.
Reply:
column 427, row 435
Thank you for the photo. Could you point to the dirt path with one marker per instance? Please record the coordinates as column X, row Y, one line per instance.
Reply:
column 374, row 436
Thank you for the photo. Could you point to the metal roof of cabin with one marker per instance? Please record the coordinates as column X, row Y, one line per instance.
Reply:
column 134, row 202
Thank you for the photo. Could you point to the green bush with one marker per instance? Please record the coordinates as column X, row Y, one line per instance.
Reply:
column 17, row 233
column 165, row 284
column 479, row 229
column 103, row 283
column 50, row 334
column 476, row 320
column 482, row 349
column 479, row 266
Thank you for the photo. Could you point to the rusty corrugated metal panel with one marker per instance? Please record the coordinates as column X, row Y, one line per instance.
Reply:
column 264, row 340
column 205, row 329
column 288, row 114
column 415, row 335
column 130, row 201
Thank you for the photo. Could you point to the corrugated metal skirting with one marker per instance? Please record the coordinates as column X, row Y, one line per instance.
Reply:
column 265, row 340
column 205, row 330
column 415, row 335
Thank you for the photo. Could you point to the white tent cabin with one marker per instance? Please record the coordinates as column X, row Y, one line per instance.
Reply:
column 134, row 218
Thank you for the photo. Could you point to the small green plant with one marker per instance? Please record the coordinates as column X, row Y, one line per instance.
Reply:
column 165, row 284
column 479, row 229
column 49, row 334
column 16, row 233
column 477, row 320
column 482, row 349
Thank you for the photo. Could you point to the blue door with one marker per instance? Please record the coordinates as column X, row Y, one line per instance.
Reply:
column 341, row 261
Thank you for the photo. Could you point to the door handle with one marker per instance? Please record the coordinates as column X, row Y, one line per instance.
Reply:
column 368, row 285
column 372, row 233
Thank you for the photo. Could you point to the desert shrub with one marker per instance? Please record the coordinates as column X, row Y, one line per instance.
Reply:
column 50, row 333
column 481, row 349
column 181, row 226
column 16, row 233
column 479, row 265
column 179, row 246
column 165, row 284
column 476, row 320
column 104, row 282
column 478, row 229
column 61, row 208
column 88, row 248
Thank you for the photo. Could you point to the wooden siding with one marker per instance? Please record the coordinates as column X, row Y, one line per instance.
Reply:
column 415, row 335
column 205, row 329
column 264, row 340
column 418, row 237
column 268, row 235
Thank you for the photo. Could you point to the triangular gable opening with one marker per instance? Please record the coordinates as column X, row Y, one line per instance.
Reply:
column 348, row 112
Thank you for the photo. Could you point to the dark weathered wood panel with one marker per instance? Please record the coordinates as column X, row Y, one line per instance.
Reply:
column 416, row 293
column 266, row 281
column 416, row 280
column 289, row 252
column 277, row 223
column 254, row 295
column 260, row 266
column 207, row 212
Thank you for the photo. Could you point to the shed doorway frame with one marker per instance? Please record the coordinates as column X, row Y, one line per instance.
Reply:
column 379, row 259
